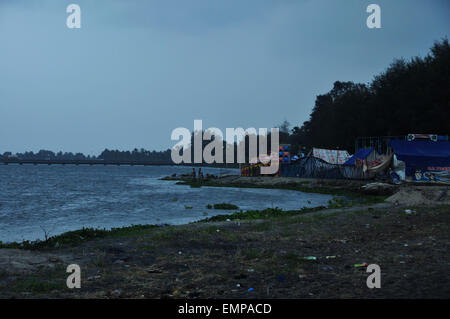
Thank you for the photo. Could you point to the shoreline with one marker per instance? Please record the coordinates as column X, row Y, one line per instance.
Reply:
column 226, row 255
column 227, row 181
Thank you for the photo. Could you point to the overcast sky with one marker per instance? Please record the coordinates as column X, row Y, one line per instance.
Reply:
column 138, row 69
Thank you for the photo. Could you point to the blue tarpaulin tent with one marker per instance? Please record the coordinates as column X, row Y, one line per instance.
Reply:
column 361, row 154
column 422, row 155
column 353, row 171
column 311, row 167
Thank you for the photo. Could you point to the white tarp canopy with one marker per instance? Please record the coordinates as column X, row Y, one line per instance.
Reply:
column 331, row 156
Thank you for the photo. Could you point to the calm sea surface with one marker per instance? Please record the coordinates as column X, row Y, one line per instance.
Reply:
column 63, row 198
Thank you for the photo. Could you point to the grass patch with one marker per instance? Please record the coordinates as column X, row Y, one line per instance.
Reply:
column 210, row 230
column 260, row 214
column 229, row 236
column 262, row 227
column 166, row 234
column 99, row 261
column 225, row 206
column 148, row 248
column 78, row 236
column 36, row 285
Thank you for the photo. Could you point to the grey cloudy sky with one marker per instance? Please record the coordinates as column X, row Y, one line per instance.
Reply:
column 138, row 69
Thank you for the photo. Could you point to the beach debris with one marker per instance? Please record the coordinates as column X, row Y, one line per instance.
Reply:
column 53, row 259
column 228, row 220
column 250, row 289
column 238, row 285
column 154, row 270
column 361, row 265
column 179, row 253
column 330, row 257
column 310, row 258
column 408, row 211
column 326, row 268
column 56, row 245
column 218, row 230
column 116, row 292
column 251, row 270
column 118, row 262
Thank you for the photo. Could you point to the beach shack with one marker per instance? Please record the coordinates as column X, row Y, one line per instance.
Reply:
column 353, row 168
column 425, row 160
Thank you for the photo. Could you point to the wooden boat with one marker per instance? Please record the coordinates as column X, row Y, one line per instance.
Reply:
column 380, row 165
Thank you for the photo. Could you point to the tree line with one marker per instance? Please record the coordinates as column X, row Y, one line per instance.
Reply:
column 410, row 96
column 107, row 155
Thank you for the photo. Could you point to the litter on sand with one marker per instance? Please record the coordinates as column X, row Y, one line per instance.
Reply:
column 310, row 258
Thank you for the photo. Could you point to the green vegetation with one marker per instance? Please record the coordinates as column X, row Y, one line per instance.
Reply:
column 99, row 261
column 37, row 285
column 386, row 106
column 225, row 206
column 276, row 212
column 79, row 236
column 260, row 214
